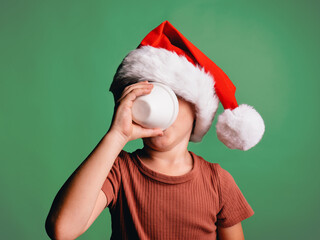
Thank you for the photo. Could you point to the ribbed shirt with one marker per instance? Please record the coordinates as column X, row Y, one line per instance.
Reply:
column 145, row 204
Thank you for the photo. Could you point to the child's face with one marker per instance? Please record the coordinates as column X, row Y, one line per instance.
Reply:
column 178, row 132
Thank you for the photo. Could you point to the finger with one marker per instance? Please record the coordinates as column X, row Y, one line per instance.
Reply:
column 150, row 132
column 127, row 88
column 136, row 92
column 134, row 86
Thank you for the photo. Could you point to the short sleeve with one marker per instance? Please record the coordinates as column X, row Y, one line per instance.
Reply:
column 234, row 208
column 112, row 182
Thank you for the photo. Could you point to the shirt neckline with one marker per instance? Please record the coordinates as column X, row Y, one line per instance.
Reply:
column 163, row 177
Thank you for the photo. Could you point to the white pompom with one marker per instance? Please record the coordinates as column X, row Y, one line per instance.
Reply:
column 241, row 128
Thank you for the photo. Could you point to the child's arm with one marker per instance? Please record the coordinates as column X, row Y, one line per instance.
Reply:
column 234, row 232
column 80, row 199
column 234, row 208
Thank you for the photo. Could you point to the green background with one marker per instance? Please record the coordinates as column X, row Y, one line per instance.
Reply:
column 57, row 60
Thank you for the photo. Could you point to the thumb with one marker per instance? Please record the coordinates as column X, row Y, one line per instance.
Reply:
column 151, row 132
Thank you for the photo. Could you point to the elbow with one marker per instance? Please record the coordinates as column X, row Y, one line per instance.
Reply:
column 57, row 231
column 51, row 229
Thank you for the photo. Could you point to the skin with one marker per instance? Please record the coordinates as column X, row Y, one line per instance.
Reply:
column 169, row 152
column 234, row 232
column 80, row 200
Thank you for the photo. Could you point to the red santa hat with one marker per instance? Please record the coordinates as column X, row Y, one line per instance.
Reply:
column 166, row 56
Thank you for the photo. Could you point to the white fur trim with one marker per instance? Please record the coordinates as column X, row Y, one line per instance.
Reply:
column 241, row 128
column 187, row 81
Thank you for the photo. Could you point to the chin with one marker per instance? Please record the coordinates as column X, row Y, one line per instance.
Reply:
column 160, row 143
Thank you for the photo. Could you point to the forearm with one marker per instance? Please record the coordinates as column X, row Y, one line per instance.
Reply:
column 76, row 199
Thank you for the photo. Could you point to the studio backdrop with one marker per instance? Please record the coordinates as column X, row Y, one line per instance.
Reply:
column 57, row 61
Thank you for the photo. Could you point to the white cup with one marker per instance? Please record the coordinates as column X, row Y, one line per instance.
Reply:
column 158, row 109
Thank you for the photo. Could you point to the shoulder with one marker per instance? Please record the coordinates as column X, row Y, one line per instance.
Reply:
column 206, row 165
column 125, row 160
column 121, row 160
column 209, row 169
column 122, row 156
column 214, row 170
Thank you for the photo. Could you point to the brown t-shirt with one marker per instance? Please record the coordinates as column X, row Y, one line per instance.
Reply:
column 145, row 204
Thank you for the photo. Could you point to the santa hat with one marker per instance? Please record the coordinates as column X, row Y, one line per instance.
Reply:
column 166, row 56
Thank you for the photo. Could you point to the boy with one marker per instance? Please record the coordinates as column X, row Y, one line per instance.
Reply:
column 162, row 191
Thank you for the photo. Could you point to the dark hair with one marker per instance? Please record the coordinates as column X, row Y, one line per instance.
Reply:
column 118, row 84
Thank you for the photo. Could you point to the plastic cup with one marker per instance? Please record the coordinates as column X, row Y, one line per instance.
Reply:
column 158, row 109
